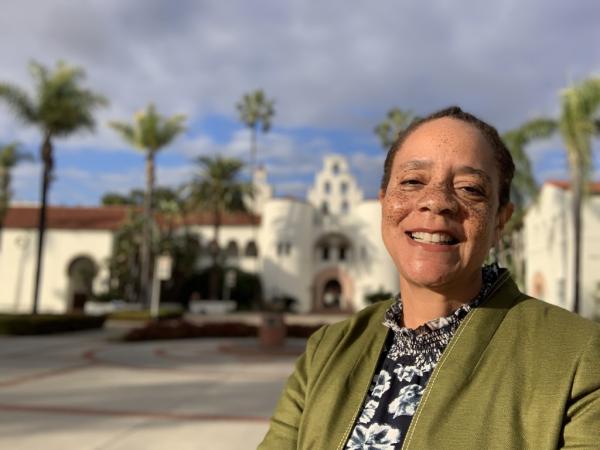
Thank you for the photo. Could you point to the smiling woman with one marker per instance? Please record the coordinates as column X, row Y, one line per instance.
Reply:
column 459, row 359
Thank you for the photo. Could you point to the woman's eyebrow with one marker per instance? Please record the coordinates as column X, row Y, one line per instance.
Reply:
column 416, row 164
column 473, row 171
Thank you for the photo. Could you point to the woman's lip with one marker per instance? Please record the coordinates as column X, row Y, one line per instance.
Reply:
column 430, row 246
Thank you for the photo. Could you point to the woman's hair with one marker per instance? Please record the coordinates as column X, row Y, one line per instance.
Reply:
column 504, row 161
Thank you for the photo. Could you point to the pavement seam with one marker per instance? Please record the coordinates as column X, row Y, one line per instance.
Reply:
column 164, row 415
column 43, row 375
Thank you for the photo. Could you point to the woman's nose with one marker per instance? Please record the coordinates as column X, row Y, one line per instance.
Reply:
column 438, row 199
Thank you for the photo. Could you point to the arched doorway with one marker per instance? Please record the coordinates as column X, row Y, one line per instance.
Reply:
column 332, row 294
column 81, row 272
column 332, row 291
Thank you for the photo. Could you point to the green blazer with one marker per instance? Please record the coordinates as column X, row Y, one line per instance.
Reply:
column 518, row 374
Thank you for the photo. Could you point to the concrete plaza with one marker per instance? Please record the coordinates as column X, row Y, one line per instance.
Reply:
column 88, row 391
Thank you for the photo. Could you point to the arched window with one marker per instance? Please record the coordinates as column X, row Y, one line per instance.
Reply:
column 325, row 208
column 232, row 250
column 343, row 187
column 325, row 252
column 343, row 253
column 327, row 187
column 251, row 250
column 345, row 207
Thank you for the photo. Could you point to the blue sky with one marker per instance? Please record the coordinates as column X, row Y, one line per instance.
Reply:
column 333, row 67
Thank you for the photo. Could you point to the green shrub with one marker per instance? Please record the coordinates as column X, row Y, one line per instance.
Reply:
column 378, row 297
column 29, row 324
column 247, row 291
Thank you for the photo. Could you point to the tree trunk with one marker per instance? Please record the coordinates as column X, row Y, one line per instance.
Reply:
column 4, row 196
column 47, row 158
column 146, row 257
column 253, row 153
column 214, row 253
column 577, row 192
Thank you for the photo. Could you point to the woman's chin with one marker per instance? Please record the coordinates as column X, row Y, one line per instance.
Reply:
column 430, row 277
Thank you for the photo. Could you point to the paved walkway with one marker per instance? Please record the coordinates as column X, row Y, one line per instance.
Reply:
column 85, row 391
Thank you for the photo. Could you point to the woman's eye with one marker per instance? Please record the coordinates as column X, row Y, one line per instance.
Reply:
column 473, row 190
column 410, row 182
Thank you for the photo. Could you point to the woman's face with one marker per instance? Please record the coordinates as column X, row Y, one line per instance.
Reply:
column 440, row 212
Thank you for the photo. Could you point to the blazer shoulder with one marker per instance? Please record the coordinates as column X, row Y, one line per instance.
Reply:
column 536, row 313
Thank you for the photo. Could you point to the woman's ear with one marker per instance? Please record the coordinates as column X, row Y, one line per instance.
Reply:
column 504, row 216
column 381, row 195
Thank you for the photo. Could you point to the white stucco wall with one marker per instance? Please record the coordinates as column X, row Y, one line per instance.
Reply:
column 61, row 247
column 549, row 249
column 286, row 222
column 374, row 270
column 240, row 234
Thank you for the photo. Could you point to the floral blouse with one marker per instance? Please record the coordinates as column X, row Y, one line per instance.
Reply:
column 407, row 361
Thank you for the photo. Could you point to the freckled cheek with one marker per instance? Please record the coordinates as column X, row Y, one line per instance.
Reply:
column 481, row 220
column 394, row 208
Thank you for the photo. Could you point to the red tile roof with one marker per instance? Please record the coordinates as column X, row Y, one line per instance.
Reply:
column 103, row 218
column 594, row 186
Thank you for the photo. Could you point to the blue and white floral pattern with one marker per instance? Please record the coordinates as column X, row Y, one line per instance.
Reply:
column 381, row 383
column 406, row 402
column 408, row 360
column 373, row 437
column 407, row 373
column 368, row 411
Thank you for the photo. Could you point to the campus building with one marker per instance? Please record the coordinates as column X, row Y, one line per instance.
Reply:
column 549, row 250
column 325, row 251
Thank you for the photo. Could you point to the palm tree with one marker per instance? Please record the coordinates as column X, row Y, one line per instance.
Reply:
column 218, row 190
column 149, row 132
column 577, row 124
column 59, row 108
column 388, row 129
column 10, row 156
column 256, row 112
column 524, row 186
column 523, row 189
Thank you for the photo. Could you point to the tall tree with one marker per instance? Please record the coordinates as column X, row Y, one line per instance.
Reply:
column 150, row 132
column 10, row 156
column 524, row 186
column 523, row 189
column 60, row 107
column 256, row 112
column 388, row 129
column 578, row 123
column 218, row 189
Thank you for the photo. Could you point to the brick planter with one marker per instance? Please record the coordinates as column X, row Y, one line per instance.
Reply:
column 272, row 330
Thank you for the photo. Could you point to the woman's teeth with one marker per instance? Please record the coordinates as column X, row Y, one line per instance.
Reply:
column 433, row 238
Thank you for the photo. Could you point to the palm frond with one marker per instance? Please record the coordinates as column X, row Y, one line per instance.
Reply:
column 524, row 186
column 11, row 154
column 396, row 121
column 256, row 109
column 149, row 130
column 19, row 102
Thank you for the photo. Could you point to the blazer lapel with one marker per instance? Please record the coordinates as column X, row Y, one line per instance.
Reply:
column 459, row 361
column 344, row 397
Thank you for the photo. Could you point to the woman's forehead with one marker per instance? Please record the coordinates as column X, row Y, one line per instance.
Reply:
column 446, row 141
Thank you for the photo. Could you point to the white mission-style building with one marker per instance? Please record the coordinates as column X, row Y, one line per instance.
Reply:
column 326, row 251
column 548, row 248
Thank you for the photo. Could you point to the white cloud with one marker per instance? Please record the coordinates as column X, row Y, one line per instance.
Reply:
column 324, row 62
column 328, row 65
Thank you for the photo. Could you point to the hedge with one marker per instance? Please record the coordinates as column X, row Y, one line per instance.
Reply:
column 181, row 329
column 32, row 324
